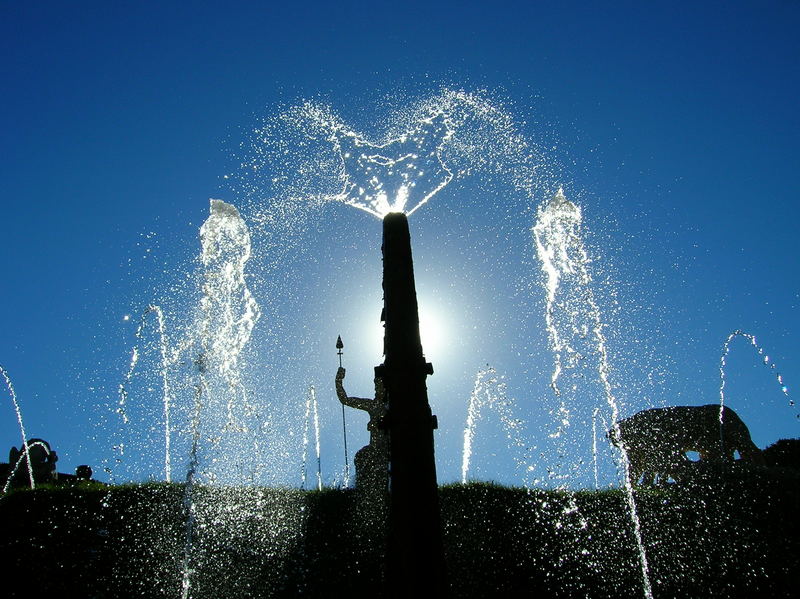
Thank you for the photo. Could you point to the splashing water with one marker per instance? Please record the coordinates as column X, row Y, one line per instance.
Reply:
column 18, row 412
column 221, row 433
column 312, row 415
column 300, row 165
column 422, row 152
column 556, row 234
column 310, row 155
column 399, row 175
column 164, row 367
column 488, row 392
column 228, row 313
column 575, row 327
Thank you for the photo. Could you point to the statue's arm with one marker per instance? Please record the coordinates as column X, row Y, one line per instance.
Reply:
column 353, row 402
column 358, row 403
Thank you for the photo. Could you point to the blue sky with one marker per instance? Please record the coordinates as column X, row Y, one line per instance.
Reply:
column 673, row 126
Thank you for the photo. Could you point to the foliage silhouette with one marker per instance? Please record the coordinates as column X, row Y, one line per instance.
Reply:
column 731, row 529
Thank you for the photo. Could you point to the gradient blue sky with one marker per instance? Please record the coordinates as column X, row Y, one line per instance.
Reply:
column 674, row 125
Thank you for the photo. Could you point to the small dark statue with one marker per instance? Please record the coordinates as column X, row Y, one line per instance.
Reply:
column 43, row 463
column 658, row 440
column 43, row 466
column 372, row 461
column 83, row 472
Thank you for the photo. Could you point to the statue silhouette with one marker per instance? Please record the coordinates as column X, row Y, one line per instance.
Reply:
column 372, row 461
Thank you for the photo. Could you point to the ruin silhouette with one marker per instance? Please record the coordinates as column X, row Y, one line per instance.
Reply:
column 657, row 441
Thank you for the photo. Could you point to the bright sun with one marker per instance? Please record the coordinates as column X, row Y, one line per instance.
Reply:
column 431, row 331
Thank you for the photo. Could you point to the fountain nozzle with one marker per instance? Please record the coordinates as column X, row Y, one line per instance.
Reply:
column 415, row 552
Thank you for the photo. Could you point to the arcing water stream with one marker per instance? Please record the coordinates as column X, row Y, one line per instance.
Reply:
column 488, row 393
column 25, row 448
column 165, row 382
column 765, row 359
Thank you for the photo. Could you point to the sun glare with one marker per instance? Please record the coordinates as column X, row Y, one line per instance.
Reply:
column 431, row 331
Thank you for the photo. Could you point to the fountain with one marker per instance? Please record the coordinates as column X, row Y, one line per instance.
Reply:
column 246, row 377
